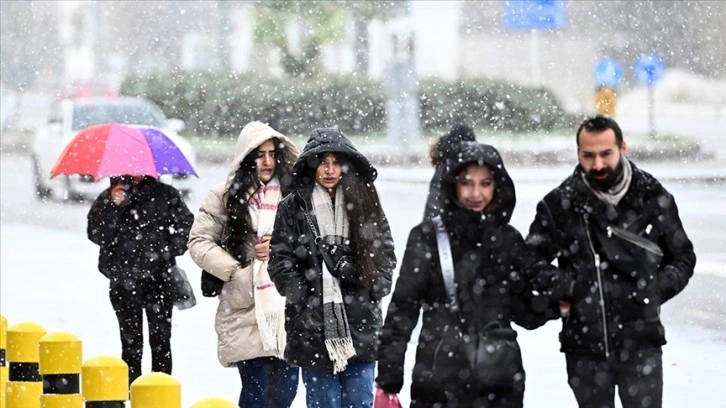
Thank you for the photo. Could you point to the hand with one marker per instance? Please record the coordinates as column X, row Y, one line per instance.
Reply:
column 262, row 248
column 118, row 194
column 565, row 308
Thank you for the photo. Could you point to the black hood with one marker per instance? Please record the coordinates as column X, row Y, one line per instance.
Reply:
column 329, row 140
column 482, row 154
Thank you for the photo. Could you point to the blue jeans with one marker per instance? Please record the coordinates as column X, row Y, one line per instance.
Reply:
column 352, row 388
column 267, row 382
column 638, row 376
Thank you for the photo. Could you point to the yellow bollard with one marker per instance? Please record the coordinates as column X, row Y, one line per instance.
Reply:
column 155, row 390
column 25, row 385
column 3, row 358
column 61, row 354
column 214, row 403
column 105, row 382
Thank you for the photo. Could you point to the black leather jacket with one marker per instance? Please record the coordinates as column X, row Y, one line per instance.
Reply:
column 613, row 306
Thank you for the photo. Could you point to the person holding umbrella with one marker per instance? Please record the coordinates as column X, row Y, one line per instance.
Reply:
column 230, row 239
column 141, row 225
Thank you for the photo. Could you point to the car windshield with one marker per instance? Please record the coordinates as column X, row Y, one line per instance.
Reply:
column 89, row 115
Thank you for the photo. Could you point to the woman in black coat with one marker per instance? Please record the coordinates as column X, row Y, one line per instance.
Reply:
column 332, row 257
column 488, row 259
column 140, row 225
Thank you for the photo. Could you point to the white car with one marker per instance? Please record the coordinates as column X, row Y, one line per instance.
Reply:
column 70, row 116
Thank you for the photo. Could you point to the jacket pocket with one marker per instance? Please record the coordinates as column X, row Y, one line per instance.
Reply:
column 237, row 292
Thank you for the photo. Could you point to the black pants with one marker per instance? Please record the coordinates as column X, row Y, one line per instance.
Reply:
column 637, row 374
column 129, row 299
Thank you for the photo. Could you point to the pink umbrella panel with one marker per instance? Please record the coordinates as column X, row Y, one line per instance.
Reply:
column 115, row 150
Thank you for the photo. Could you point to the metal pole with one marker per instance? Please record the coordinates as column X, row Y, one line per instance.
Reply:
column 651, row 113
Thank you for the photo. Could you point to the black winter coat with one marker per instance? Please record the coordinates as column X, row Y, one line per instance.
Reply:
column 296, row 266
column 612, row 308
column 489, row 258
column 141, row 237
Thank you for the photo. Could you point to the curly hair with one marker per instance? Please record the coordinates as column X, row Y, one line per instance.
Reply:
column 240, row 234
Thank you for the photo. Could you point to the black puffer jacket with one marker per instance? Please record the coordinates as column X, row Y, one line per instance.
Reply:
column 489, row 256
column 142, row 236
column 611, row 308
column 296, row 266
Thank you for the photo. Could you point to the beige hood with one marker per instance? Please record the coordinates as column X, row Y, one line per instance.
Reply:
column 252, row 136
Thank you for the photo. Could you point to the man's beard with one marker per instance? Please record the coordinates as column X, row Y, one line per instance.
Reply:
column 605, row 184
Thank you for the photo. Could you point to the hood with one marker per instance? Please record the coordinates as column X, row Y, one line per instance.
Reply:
column 447, row 143
column 332, row 140
column 252, row 136
column 483, row 154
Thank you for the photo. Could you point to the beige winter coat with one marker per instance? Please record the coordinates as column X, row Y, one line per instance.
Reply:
column 238, row 337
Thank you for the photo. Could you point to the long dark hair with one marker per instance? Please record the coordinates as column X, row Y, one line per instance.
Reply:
column 365, row 216
column 240, row 234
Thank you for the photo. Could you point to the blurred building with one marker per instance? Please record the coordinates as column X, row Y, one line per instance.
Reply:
column 102, row 42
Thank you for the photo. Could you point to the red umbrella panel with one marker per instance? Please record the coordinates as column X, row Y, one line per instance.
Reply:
column 114, row 149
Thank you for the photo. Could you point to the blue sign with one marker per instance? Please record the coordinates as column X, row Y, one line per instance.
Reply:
column 535, row 14
column 649, row 69
column 608, row 73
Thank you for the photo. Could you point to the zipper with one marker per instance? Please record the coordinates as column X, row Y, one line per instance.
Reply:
column 631, row 222
column 612, row 231
column 598, row 273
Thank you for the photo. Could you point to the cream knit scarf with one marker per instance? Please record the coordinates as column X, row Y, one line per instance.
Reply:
column 269, row 305
column 333, row 220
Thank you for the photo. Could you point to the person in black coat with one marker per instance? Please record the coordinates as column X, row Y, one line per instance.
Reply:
column 489, row 258
column 140, row 225
column 621, row 253
column 332, row 257
column 439, row 153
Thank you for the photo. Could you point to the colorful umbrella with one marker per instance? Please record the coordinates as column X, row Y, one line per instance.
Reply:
column 113, row 149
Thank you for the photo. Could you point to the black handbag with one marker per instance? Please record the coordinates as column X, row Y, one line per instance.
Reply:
column 492, row 354
column 494, row 358
column 211, row 285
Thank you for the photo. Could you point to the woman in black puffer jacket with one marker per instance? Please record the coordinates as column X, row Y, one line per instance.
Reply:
column 488, row 259
column 333, row 285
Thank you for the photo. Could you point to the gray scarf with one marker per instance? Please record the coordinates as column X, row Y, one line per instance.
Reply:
column 617, row 191
column 333, row 220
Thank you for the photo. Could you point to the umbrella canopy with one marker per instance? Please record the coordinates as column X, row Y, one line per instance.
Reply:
column 113, row 149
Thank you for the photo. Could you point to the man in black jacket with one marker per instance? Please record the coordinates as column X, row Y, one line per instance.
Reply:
column 140, row 225
column 621, row 252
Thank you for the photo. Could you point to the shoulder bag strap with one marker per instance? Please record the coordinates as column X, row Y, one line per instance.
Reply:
column 311, row 225
column 447, row 263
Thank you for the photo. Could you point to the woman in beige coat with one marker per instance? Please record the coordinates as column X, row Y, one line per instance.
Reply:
column 230, row 239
